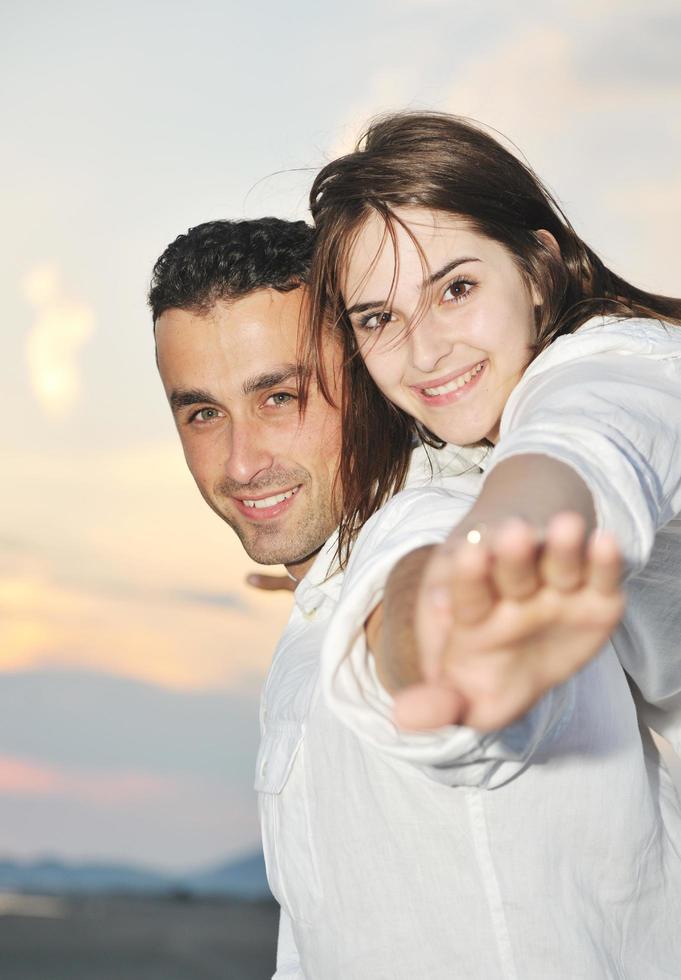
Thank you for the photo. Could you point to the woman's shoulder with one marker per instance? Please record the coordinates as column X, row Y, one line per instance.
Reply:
column 598, row 350
column 612, row 335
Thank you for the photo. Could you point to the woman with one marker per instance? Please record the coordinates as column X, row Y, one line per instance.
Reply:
column 483, row 319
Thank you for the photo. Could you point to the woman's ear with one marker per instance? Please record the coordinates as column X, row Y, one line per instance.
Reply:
column 550, row 243
column 547, row 239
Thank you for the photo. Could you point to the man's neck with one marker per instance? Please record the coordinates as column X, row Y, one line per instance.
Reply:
column 298, row 570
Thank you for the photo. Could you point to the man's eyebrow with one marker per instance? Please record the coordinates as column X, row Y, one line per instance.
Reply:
column 269, row 379
column 433, row 278
column 182, row 397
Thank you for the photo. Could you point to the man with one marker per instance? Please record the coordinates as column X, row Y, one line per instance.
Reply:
column 385, row 851
column 226, row 300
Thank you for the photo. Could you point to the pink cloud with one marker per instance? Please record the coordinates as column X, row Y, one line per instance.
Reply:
column 21, row 778
column 25, row 779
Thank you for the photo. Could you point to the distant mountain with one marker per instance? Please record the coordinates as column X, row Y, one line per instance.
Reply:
column 243, row 878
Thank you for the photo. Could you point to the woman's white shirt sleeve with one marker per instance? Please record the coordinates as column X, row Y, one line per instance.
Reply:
column 606, row 401
column 455, row 755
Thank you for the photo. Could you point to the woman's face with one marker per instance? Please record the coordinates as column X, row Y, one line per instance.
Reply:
column 446, row 342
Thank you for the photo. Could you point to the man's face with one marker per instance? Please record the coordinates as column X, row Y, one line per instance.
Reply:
column 231, row 377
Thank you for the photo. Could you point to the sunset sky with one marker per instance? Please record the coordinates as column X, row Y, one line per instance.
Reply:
column 131, row 651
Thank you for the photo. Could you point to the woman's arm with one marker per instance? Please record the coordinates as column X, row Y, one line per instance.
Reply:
column 594, row 429
column 533, row 488
column 477, row 633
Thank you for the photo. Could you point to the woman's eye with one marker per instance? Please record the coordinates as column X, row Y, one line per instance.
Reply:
column 280, row 398
column 457, row 290
column 374, row 321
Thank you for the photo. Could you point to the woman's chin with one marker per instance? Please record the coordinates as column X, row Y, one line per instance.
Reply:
column 457, row 435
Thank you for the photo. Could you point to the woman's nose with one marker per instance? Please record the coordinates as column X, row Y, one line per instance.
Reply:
column 430, row 342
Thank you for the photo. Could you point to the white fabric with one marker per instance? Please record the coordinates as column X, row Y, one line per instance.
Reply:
column 607, row 401
column 286, row 780
column 549, row 850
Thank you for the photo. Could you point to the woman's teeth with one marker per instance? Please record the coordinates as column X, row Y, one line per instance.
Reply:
column 269, row 501
column 455, row 383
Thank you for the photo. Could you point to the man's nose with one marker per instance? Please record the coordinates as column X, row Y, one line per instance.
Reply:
column 430, row 342
column 250, row 453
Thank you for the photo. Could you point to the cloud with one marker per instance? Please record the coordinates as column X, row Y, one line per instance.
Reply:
column 191, row 826
column 549, row 80
column 168, row 637
column 61, row 328
column 21, row 778
column 386, row 90
column 128, row 572
column 96, row 766
column 82, row 721
column 651, row 209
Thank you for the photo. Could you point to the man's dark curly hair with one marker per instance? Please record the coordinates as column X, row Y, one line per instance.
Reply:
column 228, row 259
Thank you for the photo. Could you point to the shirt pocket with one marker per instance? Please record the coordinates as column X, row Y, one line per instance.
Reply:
column 288, row 846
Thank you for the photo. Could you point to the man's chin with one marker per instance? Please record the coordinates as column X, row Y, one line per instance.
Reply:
column 281, row 552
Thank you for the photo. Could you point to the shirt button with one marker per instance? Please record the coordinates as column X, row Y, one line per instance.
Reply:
column 310, row 614
column 263, row 768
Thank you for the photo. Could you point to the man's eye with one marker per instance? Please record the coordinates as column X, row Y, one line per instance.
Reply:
column 457, row 290
column 280, row 398
column 205, row 415
column 374, row 321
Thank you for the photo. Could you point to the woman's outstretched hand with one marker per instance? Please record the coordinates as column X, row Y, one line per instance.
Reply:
column 500, row 622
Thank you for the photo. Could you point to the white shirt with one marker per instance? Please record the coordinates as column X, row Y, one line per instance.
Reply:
column 606, row 400
column 550, row 849
column 298, row 739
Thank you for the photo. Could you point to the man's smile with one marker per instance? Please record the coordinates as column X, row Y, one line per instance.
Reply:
column 269, row 507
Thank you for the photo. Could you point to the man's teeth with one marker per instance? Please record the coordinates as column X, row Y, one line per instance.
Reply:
column 456, row 383
column 269, row 501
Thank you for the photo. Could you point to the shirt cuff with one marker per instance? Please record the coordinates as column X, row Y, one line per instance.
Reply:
column 454, row 754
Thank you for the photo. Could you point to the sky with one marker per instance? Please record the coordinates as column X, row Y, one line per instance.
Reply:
column 131, row 651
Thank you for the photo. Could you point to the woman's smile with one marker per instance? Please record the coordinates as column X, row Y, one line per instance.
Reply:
column 444, row 391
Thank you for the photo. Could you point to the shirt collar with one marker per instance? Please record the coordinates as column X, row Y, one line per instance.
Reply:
column 322, row 583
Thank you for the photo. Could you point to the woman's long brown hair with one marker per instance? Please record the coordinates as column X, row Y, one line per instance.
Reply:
column 441, row 163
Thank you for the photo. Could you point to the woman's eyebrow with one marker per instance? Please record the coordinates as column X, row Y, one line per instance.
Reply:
column 433, row 278
column 362, row 307
column 447, row 268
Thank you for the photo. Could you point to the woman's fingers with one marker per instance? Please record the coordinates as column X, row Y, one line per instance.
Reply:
column 456, row 592
column 472, row 590
column 604, row 563
column 515, row 570
column 563, row 563
column 424, row 706
column 458, row 583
